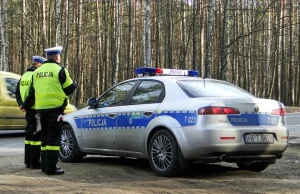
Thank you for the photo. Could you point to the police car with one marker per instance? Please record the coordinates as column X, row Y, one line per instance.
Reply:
column 175, row 120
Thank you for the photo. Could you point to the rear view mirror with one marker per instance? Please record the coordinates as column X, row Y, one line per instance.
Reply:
column 92, row 102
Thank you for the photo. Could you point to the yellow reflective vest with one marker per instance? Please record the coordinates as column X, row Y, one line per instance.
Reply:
column 49, row 92
column 25, row 83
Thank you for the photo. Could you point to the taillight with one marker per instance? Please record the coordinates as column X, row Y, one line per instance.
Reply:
column 280, row 111
column 215, row 110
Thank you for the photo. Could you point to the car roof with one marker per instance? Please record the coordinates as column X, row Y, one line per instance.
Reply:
column 10, row 74
column 174, row 78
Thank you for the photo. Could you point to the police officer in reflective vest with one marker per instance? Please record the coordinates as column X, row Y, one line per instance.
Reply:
column 51, row 86
column 32, row 138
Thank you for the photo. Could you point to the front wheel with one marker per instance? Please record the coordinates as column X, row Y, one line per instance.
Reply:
column 163, row 153
column 253, row 166
column 69, row 150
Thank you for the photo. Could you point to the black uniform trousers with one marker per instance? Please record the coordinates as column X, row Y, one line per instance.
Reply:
column 51, row 133
column 32, row 141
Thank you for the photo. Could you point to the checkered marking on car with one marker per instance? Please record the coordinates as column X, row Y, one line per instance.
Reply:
column 133, row 120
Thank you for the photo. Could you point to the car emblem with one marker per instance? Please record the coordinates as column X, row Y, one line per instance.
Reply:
column 130, row 120
column 256, row 109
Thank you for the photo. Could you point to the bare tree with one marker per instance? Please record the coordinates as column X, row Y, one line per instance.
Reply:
column 3, row 37
column 223, row 42
column 118, row 31
column 67, row 32
column 23, row 39
column 44, row 25
column 157, row 34
column 209, row 38
column 147, row 43
column 79, row 91
column 58, row 40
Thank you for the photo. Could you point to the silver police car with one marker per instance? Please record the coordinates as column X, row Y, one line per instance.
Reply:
column 175, row 120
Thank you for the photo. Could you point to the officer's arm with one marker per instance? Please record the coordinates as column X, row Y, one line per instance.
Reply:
column 30, row 100
column 18, row 94
column 67, row 84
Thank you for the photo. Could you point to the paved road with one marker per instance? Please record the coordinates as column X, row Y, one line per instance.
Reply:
column 12, row 141
column 293, row 124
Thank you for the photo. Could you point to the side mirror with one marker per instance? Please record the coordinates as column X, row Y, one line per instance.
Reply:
column 92, row 102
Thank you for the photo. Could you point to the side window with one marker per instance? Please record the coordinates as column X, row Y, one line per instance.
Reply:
column 117, row 95
column 11, row 85
column 147, row 92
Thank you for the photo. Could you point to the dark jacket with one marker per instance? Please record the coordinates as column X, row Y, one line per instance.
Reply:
column 18, row 94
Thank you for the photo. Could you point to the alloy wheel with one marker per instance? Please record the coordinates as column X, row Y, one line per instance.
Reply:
column 66, row 144
column 161, row 152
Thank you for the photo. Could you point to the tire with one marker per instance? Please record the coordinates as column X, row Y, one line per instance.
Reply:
column 253, row 166
column 69, row 150
column 163, row 153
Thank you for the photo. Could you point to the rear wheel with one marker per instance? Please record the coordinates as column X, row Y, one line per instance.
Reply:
column 69, row 150
column 163, row 153
column 253, row 166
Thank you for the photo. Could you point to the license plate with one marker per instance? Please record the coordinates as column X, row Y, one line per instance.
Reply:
column 253, row 138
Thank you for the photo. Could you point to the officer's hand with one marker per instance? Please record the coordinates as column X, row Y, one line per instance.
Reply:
column 22, row 109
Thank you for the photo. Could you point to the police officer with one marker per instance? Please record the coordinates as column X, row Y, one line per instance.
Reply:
column 32, row 138
column 51, row 86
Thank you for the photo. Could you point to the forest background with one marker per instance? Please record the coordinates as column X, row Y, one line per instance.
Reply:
column 254, row 44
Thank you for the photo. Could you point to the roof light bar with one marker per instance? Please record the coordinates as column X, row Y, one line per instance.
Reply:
column 148, row 71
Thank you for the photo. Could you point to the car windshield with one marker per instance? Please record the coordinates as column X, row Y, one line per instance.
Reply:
column 211, row 88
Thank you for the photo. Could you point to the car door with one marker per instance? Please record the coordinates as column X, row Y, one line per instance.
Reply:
column 134, row 118
column 99, row 125
column 11, row 117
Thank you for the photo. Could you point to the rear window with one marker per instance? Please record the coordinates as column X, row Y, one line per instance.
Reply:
column 211, row 88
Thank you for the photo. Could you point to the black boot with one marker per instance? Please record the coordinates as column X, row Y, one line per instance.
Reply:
column 58, row 171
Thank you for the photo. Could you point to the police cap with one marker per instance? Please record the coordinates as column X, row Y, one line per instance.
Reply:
column 38, row 59
column 54, row 50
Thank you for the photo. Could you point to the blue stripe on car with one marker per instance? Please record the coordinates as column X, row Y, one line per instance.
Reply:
column 136, row 120
column 185, row 118
column 253, row 119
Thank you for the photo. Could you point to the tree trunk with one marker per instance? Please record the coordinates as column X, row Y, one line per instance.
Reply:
column 44, row 24
column 118, row 31
column 67, row 33
column 96, row 66
column 223, row 44
column 147, row 43
column 157, row 35
column 194, row 34
column 283, row 70
column 3, row 37
column 23, row 38
column 57, row 22
column 209, row 37
column 129, row 43
column 289, row 93
column 79, row 91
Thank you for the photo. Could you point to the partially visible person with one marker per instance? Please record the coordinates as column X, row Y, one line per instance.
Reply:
column 32, row 138
column 50, row 89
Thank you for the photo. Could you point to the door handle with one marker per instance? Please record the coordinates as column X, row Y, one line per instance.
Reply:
column 148, row 113
column 112, row 115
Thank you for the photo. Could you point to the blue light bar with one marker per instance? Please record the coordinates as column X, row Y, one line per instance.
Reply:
column 147, row 70
column 193, row 73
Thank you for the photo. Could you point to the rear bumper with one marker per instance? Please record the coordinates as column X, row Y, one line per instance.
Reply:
column 235, row 156
column 207, row 145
